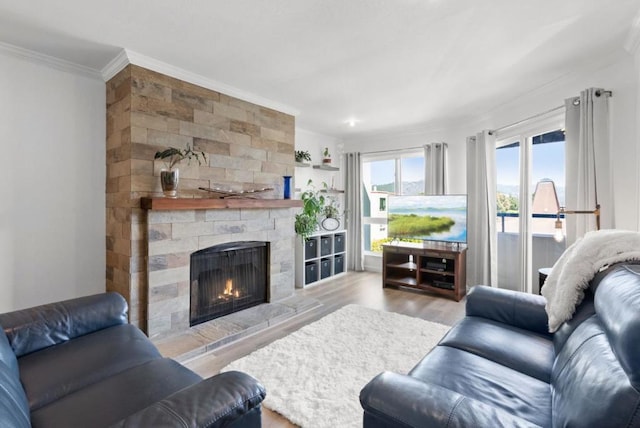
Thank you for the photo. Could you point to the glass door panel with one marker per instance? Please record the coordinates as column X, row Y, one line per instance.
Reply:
column 508, row 215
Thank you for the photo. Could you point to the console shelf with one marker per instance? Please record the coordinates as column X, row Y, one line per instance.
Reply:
column 435, row 269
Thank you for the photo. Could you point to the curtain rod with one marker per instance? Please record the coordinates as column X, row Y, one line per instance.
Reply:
column 392, row 151
column 598, row 94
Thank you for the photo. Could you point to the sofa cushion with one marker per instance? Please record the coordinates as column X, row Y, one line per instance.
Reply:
column 522, row 350
column 54, row 372
column 617, row 302
column 487, row 382
column 106, row 402
column 589, row 387
column 14, row 406
column 14, row 409
column 36, row 328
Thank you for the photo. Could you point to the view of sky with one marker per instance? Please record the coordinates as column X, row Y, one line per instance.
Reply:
column 548, row 162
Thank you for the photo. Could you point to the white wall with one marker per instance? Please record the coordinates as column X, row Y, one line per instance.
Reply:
column 52, row 183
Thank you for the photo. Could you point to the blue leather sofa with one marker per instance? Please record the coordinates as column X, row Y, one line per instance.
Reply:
column 499, row 366
column 78, row 363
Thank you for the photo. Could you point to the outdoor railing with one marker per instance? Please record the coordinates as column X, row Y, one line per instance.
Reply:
column 503, row 215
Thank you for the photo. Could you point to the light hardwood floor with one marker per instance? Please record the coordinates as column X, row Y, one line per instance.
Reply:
column 364, row 289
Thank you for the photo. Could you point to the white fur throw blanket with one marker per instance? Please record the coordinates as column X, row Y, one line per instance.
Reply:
column 570, row 275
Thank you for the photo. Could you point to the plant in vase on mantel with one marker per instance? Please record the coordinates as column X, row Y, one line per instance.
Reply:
column 171, row 157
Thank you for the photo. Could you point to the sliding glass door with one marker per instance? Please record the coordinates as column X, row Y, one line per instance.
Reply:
column 530, row 190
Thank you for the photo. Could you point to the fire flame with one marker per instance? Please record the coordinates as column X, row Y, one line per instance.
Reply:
column 229, row 291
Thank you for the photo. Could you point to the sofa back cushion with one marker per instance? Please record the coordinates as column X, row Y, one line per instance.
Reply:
column 617, row 303
column 14, row 408
column 594, row 380
column 36, row 328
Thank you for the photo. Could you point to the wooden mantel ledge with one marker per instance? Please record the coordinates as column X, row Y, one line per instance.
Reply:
column 215, row 204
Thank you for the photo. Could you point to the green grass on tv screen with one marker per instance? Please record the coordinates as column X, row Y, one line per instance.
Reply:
column 405, row 225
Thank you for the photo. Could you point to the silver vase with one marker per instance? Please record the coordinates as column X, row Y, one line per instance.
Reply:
column 169, row 181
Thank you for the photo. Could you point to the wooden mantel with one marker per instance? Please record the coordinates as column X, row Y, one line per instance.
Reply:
column 214, row 204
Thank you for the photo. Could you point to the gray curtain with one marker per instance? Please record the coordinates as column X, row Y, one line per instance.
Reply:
column 482, row 240
column 353, row 208
column 435, row 169
column 588, row 167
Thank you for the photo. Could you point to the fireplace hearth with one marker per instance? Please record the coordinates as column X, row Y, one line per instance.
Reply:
column 228, row 278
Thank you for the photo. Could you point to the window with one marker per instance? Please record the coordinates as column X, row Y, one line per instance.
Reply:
column 382, row 176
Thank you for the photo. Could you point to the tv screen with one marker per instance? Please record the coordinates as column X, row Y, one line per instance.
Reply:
column 428, row 217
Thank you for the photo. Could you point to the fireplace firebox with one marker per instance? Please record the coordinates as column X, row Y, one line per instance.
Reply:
column 227, row 278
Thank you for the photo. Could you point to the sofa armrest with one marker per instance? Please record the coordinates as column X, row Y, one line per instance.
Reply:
column 32, row 329
column 214, row 402
column 515, row 308
column 395, row 400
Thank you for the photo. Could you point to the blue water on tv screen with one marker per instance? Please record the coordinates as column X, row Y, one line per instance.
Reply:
column 428, row 217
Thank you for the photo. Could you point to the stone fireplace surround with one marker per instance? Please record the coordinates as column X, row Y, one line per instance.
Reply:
column 247, row 146
column 175, row 234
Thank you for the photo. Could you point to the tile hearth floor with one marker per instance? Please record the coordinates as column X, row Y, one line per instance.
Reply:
column 213, row 334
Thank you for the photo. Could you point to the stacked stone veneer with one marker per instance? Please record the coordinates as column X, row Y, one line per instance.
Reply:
column 247, row 146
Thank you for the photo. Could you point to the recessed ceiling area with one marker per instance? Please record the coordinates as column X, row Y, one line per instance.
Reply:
column 379, row 64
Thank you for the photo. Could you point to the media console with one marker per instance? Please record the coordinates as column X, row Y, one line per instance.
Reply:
column 436, row 268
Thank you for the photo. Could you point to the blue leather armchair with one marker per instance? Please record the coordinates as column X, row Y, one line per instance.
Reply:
column 78, row 363
column 499, row 366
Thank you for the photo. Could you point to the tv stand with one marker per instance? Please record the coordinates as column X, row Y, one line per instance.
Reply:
column 436, row 268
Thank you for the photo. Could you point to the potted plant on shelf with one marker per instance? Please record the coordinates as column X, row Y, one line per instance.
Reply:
column 303, row 156
column 171, row 157
column 326, row 156
column 306, row 223
column 331, row 213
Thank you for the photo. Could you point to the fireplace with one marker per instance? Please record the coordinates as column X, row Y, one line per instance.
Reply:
column 227, row 278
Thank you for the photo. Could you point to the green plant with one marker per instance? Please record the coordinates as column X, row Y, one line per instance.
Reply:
column 172, row 156
column 313, row 205
column 303, row 155
column 326, row 153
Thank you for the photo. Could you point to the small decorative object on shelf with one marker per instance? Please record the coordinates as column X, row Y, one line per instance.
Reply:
column 302, row 157
column 287, row 186
column 219, row 193
column 171, row 157
column 326, row 156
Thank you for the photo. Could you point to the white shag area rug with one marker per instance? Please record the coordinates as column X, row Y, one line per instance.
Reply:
column 314, row 375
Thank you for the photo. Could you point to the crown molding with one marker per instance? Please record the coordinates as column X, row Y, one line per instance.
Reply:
column 115, row 65
column 128, row 56
column 49, row 61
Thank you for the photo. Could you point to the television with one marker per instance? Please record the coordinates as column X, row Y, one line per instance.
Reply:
column 428, row 218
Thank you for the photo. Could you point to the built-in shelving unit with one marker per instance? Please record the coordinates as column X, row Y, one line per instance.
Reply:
column 320, row 257
column 436, row 269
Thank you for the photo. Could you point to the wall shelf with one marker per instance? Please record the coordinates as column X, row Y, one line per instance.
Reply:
column 302, row 164
column 326, row 167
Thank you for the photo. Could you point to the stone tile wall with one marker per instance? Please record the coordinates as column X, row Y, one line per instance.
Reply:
column 247, row 146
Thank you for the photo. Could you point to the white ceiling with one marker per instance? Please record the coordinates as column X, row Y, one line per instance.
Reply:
column 389, row 64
